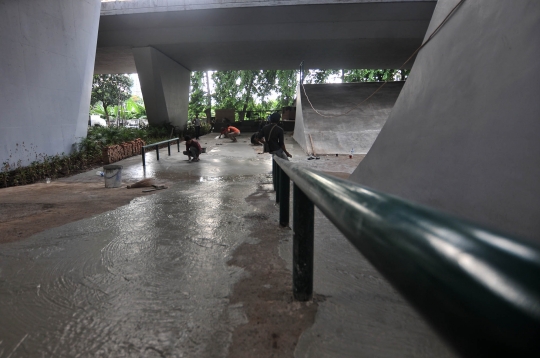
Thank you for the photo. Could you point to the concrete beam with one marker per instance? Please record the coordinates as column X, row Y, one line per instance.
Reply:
column 325, row 35
column 463, row 135
column 111, row 7
column 46, row 63
column 164, row 85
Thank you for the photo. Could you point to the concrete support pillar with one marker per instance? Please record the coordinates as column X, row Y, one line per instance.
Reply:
column 47, row 53
column 165, row 87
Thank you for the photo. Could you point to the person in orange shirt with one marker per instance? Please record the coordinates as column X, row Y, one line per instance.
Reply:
column 231, row 132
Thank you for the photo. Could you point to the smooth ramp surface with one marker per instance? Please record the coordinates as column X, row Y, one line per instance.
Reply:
column 463, row 135
column 334, row 133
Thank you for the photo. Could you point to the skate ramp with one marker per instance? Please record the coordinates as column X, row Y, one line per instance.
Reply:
column 339, row 134
column 463, row 135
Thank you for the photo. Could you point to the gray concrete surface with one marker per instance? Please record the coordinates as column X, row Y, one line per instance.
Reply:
column 338, row 122
column 165, row 87
column 463, row 135
column 150, row 278
column 112, row 7
column 254, row 35
column 47, row 52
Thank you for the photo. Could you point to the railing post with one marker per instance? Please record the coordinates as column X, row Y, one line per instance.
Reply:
column 178, row 143
column 303, row 226
column 143, row 152
column 157, row 151
column 284, row 198
column 274, row 164
column 278, row 182
column 169, row 147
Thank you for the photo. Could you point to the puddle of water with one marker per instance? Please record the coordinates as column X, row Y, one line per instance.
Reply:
column 149, row 276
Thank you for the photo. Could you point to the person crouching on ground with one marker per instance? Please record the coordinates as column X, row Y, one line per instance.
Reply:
column 273, row 135
column 231, row 132
column 255, row 139
column 193, row 149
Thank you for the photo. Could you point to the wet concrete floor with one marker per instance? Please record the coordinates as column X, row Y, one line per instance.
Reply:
column 150, row 279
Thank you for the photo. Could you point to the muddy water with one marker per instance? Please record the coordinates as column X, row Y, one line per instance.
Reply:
column 148, row 279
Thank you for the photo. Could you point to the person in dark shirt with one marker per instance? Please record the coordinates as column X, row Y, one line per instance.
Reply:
column 273, row 136
column 193, row 149
column 255, row 139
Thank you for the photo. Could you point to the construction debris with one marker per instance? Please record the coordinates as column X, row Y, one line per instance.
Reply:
column 145, row 183
column 114, row 153
column 155, row 187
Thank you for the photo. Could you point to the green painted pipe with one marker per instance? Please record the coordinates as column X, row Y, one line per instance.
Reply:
column 480, row 289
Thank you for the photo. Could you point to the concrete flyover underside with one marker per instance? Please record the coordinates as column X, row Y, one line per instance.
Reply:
column 226, row 35
column 463, row 135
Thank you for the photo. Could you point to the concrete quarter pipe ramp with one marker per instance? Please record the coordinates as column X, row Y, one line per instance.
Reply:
column 463, row 135
column 336, row 133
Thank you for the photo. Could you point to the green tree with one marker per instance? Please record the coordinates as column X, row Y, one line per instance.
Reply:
column 197, row 96
column 287, row 80
column 247, row 83
column 266, row 84
column 110, row 90
column 374, row 75
column 227, row 92
column 318, row 76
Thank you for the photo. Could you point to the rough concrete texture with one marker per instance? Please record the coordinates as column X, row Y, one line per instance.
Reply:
column 332, row 35
column 161, row 276
column 164, row 85
column 463, row 136
column 349, row 123
column 47, row 52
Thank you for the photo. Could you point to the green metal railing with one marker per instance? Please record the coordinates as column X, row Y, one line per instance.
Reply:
column 478, row 288
column 156, row 147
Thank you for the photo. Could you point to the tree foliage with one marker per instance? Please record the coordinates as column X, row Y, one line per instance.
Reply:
column 132, row 108
column 197, row 96
column 110, row 90
column 251, row 90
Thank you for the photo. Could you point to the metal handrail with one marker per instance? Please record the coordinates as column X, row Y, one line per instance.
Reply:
column 479, row 289
column 156, row 146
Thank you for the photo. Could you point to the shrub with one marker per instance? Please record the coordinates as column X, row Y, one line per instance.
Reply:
column 86, row 156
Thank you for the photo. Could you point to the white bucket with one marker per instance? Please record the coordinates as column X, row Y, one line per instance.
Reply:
column 113, row 175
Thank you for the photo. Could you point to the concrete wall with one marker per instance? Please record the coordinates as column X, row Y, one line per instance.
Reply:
column 463, row 135
column 47, row 51
column 109, row 7
column 164, row 85
column 342, row 120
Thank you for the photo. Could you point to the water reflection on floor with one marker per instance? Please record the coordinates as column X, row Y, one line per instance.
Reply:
column 147, row 279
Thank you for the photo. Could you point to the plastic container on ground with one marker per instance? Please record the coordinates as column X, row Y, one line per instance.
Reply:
column 113, row 175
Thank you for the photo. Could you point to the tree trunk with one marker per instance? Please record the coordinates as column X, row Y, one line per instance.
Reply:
column 208, row 94
column 248, row 92
column 106, row 113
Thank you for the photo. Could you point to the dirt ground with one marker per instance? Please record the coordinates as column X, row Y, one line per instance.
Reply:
column 30, row 209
